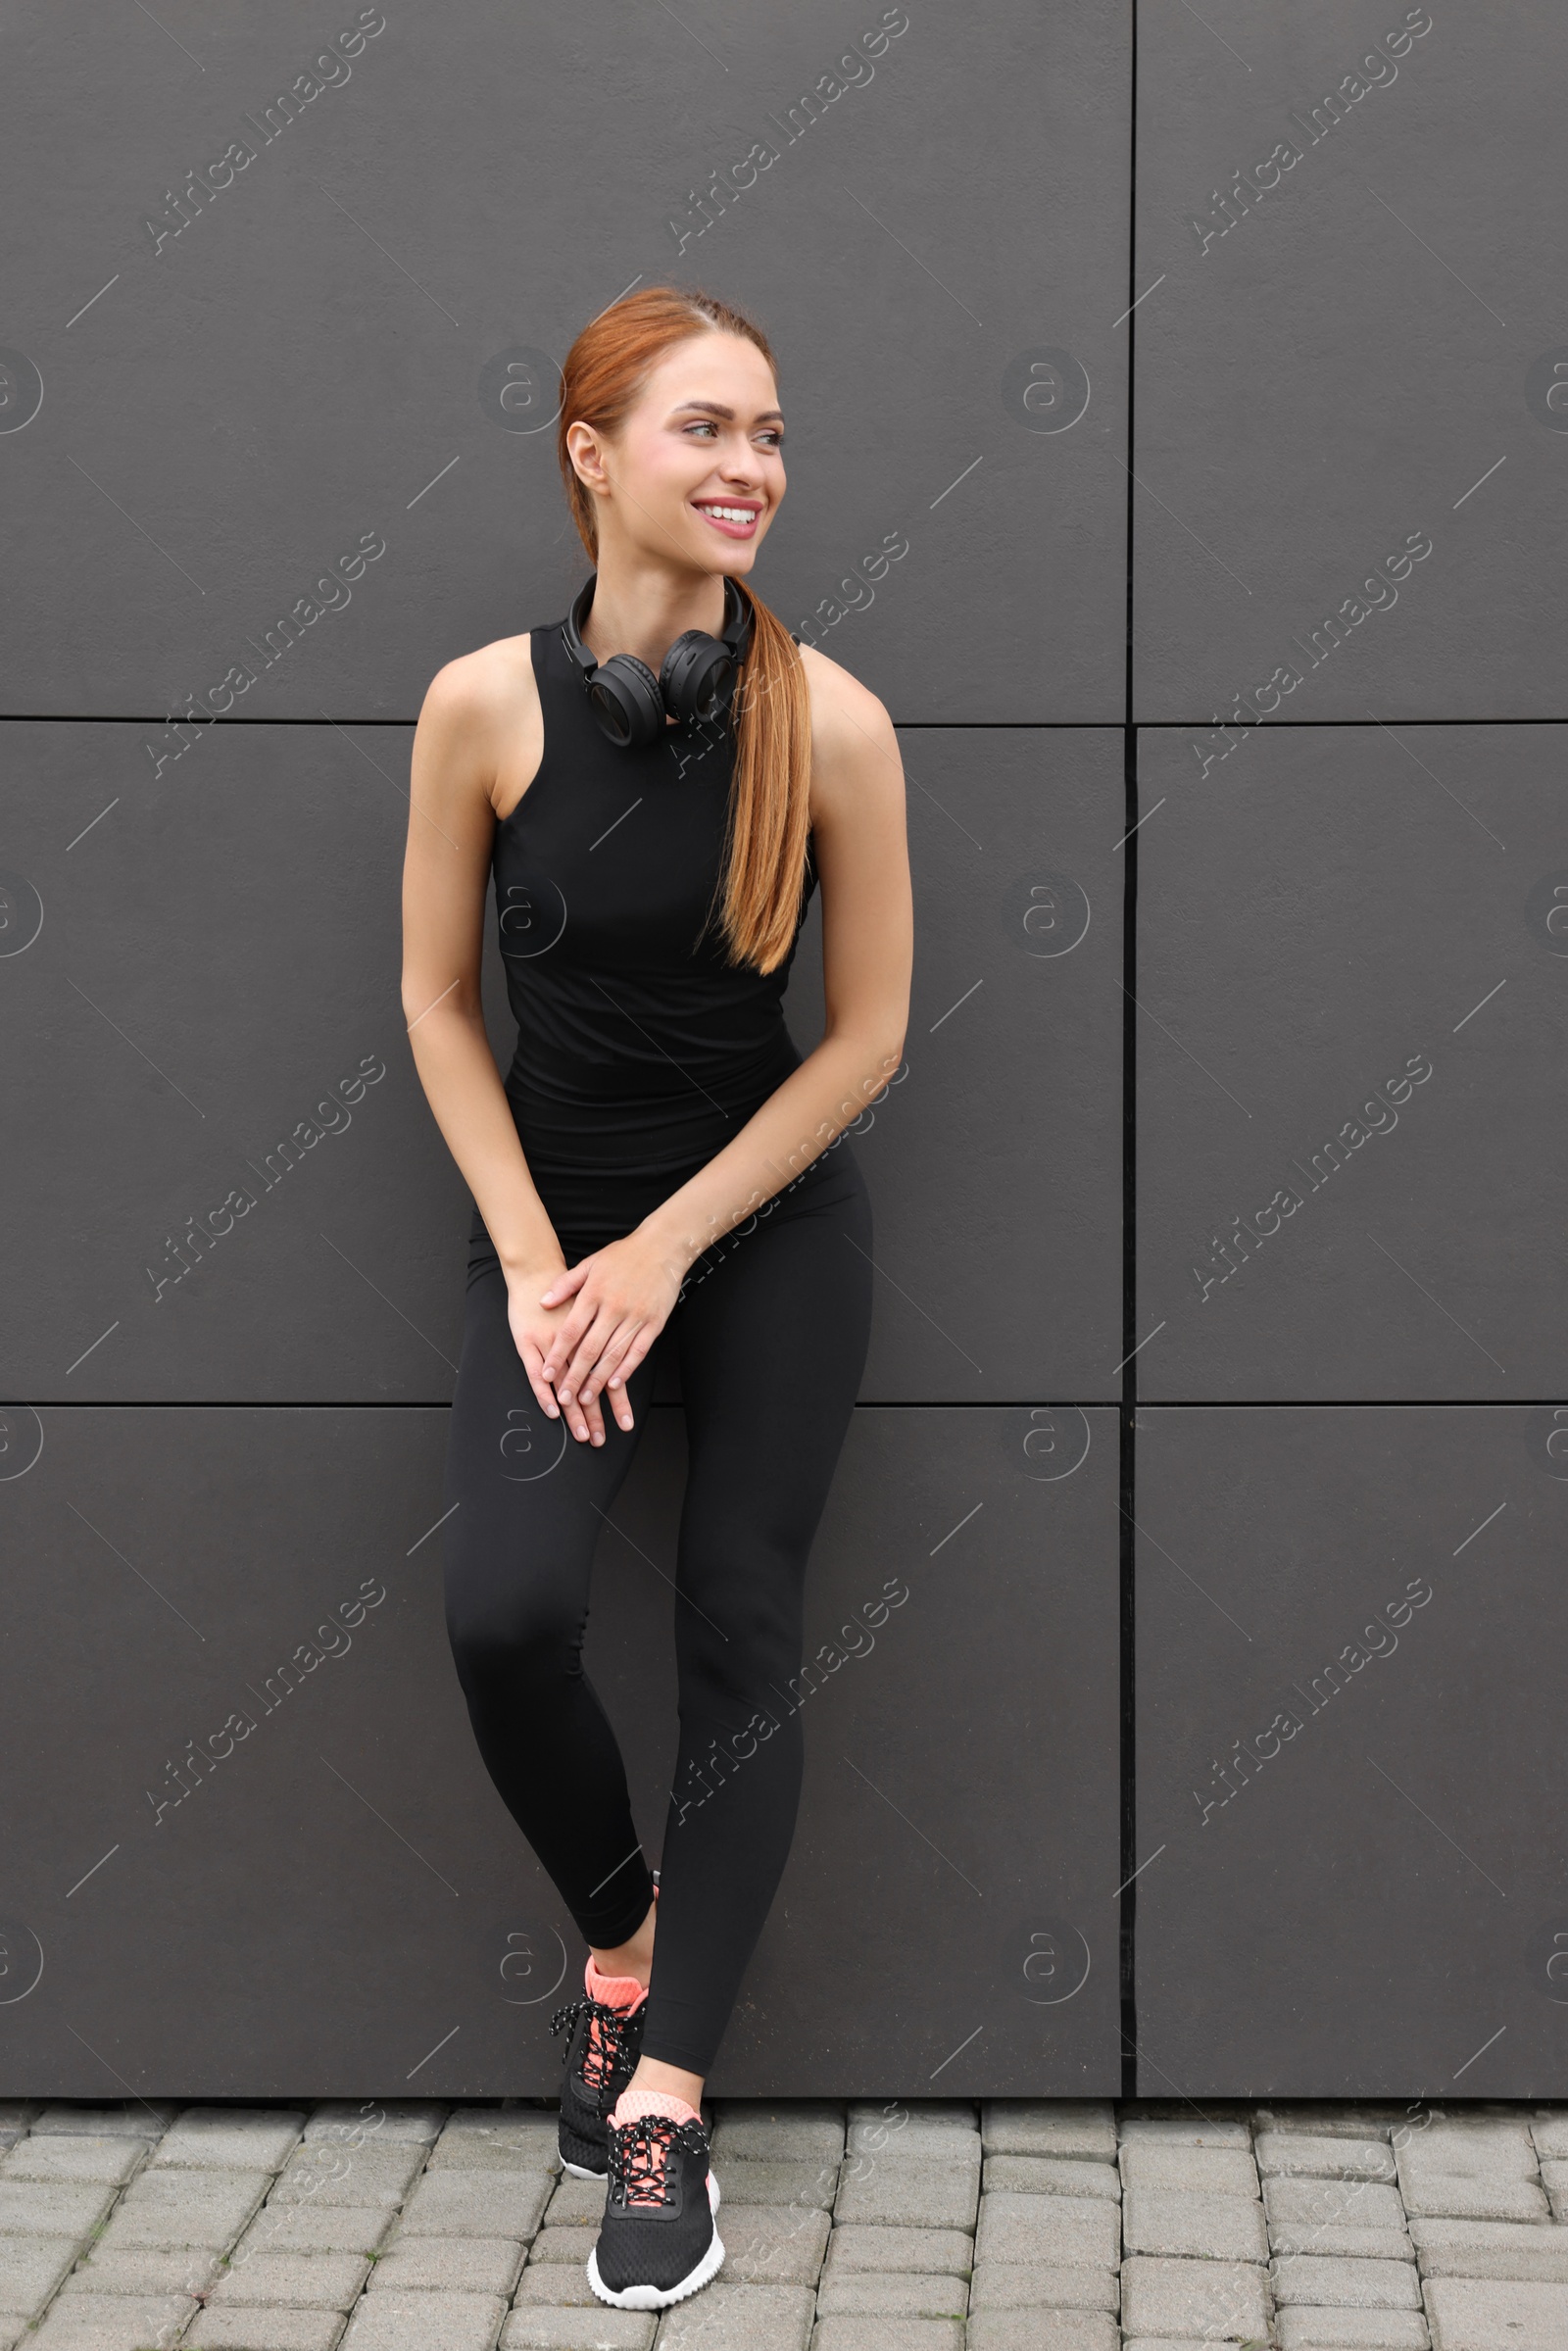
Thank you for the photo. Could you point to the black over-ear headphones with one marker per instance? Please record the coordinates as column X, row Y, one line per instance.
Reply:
column 695, row 681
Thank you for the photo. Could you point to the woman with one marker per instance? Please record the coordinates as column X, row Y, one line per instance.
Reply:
column 661, row 1163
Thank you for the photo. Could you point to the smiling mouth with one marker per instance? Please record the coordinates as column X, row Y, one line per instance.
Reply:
column 737, row 521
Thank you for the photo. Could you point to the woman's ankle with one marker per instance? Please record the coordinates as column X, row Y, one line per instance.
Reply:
column 652, row 2074
column 634, row 1957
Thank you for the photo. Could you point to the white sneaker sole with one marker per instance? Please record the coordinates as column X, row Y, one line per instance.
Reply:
column 579, row 2171
column 659, row 2297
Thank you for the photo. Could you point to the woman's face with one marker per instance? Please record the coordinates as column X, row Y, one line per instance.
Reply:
column 696, row 470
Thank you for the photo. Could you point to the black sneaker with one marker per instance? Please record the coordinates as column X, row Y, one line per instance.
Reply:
column 656, row 2241
column 600, row 2059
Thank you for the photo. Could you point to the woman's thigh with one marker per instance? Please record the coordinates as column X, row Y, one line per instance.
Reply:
column 773, row 1341
column 525, row 1499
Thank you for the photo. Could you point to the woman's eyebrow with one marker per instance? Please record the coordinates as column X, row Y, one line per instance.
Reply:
column 717, row 408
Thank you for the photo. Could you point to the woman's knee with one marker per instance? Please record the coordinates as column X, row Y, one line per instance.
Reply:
column 519, row 1633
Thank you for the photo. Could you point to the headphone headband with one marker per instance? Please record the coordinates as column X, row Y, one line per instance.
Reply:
column 694, row 685
column 736, row 635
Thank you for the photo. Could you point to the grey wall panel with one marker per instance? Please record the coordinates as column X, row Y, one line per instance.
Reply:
column 338, row 1889
column 1348, row 240
column 1330, row 907
column 995, row 1159
column 202, row 958
column 354, row 337
column 214, row 957
column 1350, row 1806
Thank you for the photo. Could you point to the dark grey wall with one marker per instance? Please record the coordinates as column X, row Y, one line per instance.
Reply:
column 1189, row 1350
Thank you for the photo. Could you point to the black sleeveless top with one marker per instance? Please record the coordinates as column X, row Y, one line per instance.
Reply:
column 641, row 1049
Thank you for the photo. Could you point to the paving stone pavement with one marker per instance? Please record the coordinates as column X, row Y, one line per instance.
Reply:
column 1006, row 2225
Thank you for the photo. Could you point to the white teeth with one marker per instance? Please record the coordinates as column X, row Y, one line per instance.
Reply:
column 730, row 513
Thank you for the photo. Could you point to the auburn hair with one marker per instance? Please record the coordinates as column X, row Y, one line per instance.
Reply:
column 769, row 802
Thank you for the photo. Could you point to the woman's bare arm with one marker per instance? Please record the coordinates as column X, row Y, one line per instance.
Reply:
column 857, row 819
column 473, row 705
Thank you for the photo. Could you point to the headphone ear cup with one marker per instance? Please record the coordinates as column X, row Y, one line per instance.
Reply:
column 698, row 676
column 626, row 701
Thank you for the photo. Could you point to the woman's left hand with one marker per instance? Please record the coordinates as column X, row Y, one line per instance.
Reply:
column 626, row 1294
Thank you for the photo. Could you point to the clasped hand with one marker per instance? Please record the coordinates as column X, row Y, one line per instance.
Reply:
column 583, row 1334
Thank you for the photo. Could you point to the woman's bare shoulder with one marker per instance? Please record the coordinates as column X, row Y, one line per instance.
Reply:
column 852, row 742
column 487, row 682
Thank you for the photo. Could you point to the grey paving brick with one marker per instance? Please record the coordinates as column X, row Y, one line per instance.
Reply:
column 274, row 2329
column 293, row 2281
column 1196, row 2170
column 768, row 2245
column 1310, row 2118
column 919, row 2191
column 1043, row 2331
column 307, row 2229
column 70, row 2156
column 1066, row 2233
column 1289, row 2155
column 576, row 2202
column 1553, row 2178
column 426, row 2322
column 372, row 2121
column 579, row 2330
column 557, row 2284
column 230, row 2139
column 1521, row 2249
column 1224, row 2300
column 1470, row 2314
column 1171, row 2342
column 31, row 2268
column 1548, row 2128
column 52, row 2208
column 148, row 2272
column 473, row 2151
column 1069, row 2126
column 466, row 2265
column 186, row 2207
column 796, row 2131
column 111, row 2322
column 750, row 2180
column 740, row 2317
column 1460, row 2197
column 893, row 2295
column 1347, row 2284
column 137, row 2117
column 1352, row 2331
column 1050, row 2175
column 487, row 2138
column 888, row 2334
column 322, row 2171
column 941, row 2114
column 1172, row 2130
column 477, row 2204
column 934, row 2252
column 1202, row 2227
column 1473, row 2170
column 16, row 2113
column 563, row 2245
column 913, row 2128
column 1020, row 2285
column 1355, row 2219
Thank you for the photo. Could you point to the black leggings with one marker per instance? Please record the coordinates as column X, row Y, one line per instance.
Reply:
column 771, row 1328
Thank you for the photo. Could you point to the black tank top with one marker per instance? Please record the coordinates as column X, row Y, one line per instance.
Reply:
column 641, row 1049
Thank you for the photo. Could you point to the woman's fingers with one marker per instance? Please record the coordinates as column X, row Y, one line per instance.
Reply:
column 568, row 1336
column 610, row 1361
column 587, row 1352
column 567, row 1285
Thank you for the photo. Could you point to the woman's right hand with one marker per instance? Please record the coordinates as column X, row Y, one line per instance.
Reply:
column 533, row 1331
